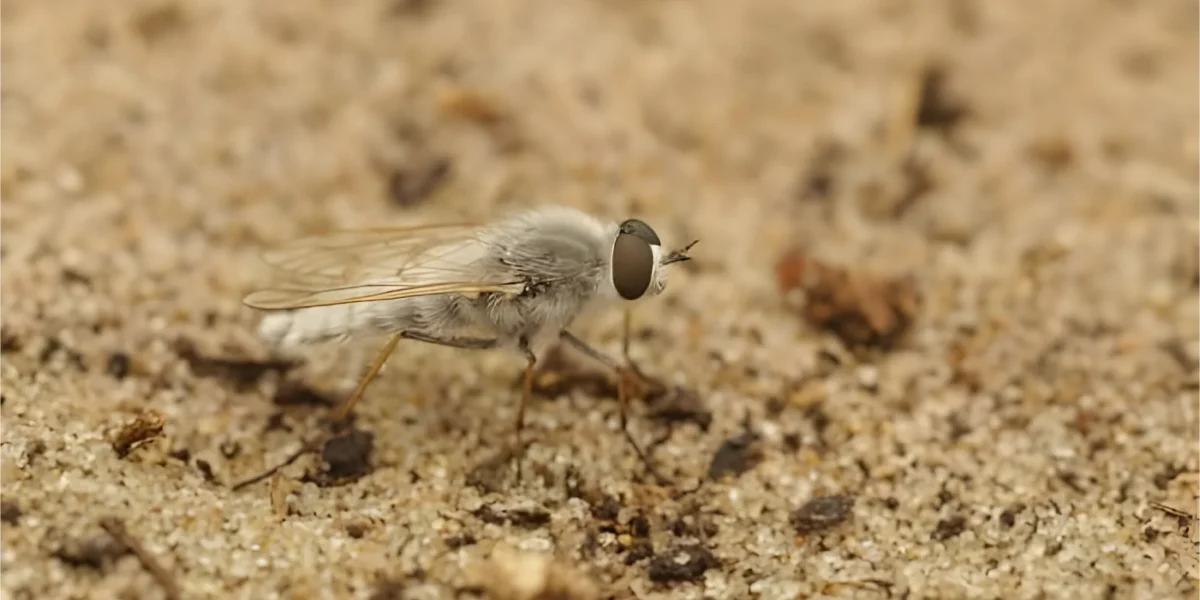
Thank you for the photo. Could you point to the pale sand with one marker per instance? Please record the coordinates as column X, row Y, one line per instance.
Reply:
column 1012, row 447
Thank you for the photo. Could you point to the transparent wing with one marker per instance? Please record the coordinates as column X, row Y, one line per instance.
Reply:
column 370, row 265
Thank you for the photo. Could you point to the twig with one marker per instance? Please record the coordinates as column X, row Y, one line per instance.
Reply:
column 117, row 530
column 1175, row 512
column 305, row 449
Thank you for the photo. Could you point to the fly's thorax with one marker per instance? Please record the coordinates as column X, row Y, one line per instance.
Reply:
column 541, row 308
column 558, row 255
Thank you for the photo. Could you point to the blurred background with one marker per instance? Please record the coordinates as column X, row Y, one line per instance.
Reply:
column 947, row 266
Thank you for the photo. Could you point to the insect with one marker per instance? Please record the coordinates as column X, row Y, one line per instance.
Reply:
column 515, row 285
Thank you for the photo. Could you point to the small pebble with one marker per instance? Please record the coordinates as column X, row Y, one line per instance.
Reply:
column 822, row 513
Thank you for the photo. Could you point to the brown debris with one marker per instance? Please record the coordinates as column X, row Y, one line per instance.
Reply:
column 1054, row 152
column 98, row 552
column 1166, row 475
column 411, row 8
column 695, row 525
column 9, row 341
column 490, row 474
column 463, row 540
column 861, row 309
column 357, row 528
column 118, row 365
column 160, row 21
column 347, row 457
column 486, row 112
column 148, row 425
column 388, row 589
column 822, row 513
column 789, row 271
column 818, row 182
column 633, row 536
column 10, row 513
column 917, row 182
column 949, row 528
column 230, row 449
column 1182, row 517
column 206, row 470
column 607, row 509
column 471, row 106
column 54, row 347
column 411, row 184
column 637, row 540
column 1179, row 351
column 682, row 563
column 525, row 518
column 72, row 276
column 937, row 107
column 736, row 455
column 1008, row 518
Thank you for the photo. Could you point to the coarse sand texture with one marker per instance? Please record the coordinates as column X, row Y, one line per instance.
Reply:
column 938, row 339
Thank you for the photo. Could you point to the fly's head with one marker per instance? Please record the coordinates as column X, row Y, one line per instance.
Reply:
column 637, row 262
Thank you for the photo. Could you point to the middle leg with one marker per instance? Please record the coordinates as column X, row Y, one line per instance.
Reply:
column 526, row 393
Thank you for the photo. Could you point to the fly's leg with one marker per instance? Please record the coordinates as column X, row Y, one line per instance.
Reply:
column 343, row 410
column 622, row 396
column 626, row 335
column 453, row 342
column 388, row 348
column 526, row 393
column 465, row 343
column 629, row 367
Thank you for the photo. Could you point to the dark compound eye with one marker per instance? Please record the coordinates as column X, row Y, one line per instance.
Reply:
column 632, row 264
column 640, row 229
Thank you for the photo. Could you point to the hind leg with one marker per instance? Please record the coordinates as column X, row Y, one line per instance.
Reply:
column 342, row 411
column 390, row 346
column 526, row 393
column 380, row 358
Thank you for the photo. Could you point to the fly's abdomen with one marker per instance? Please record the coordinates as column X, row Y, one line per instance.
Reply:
column 341, row 322
column 307, row 326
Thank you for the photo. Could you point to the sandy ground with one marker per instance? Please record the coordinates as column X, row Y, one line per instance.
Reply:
column 1025, row 171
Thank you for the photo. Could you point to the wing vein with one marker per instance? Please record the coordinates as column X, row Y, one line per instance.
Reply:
column 372, row 265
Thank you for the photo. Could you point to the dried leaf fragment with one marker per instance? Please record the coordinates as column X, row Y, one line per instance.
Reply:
column 148, row 425
column 861, row 309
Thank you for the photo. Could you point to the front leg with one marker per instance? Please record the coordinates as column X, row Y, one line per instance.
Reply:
column 622, row 395
column 623, row 370
column 626, row 335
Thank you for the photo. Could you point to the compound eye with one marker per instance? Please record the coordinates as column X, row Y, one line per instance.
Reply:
column 641, row 230
column 632, row 265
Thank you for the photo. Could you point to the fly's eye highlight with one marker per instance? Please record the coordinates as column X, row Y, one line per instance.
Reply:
column 632, row 264
column 640, row 230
